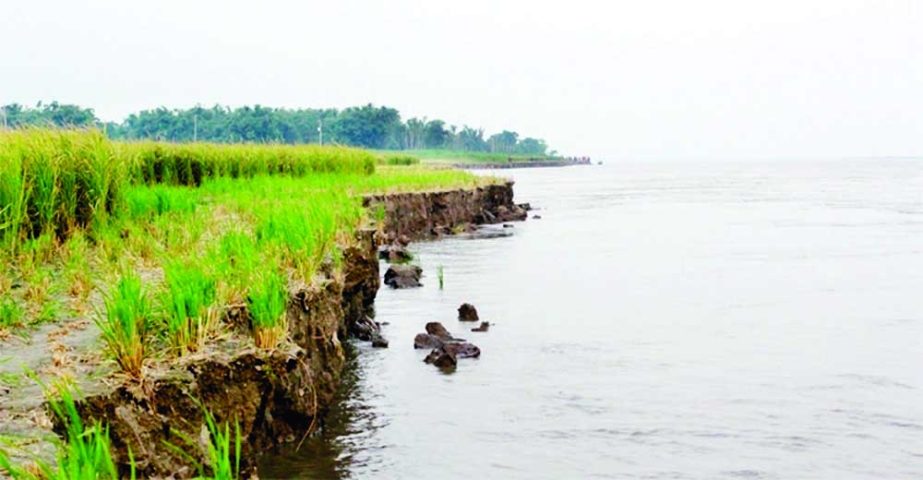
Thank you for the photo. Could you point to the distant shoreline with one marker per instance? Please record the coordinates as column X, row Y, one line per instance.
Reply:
column 562, row 162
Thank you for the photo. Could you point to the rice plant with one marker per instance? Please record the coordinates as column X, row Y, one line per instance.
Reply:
column 125, row 324
column 11, row 313
column 224, row 462
column 54, row 181
column 85, row 453
column 188, row 303
column 192, row 164
column 77, row 267
column 222, row 450
column 237, row 259
column 147, row 202
column 267, row 302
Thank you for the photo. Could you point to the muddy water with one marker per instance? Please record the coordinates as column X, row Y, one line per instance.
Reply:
column 695, row 320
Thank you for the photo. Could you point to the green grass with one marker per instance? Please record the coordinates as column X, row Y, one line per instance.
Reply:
column 55, row 181
column 190, row 164
column 11, row 313
column 222, row 450
column 267, row 302
column 223, row 455
column 125, row 324
column 85, row 453
column 77, row 267
column 189, row 306
column 397, row 159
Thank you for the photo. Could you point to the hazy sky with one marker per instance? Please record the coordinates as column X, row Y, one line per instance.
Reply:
column 612, row 79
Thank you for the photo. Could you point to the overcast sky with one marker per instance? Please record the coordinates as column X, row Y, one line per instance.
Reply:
column 612, row 79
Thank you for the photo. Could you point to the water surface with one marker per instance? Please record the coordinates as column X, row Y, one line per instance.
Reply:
column 681, row 321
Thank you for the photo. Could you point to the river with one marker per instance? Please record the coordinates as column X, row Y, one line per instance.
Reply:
column 687, row 320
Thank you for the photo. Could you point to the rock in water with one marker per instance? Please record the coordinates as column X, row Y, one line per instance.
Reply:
column 441, row 358
column 483, row 328
column 436, row 329
column 379, row 342
column 446, row 348
column 364, row 329
column 403, row 276
column 394, row 253
column 467, row 313
column 462, row 349
column 425, row 340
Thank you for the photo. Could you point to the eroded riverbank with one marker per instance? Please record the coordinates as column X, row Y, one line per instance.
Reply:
column 275, row 396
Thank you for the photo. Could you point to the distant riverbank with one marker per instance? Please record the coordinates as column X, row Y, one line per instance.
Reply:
column 466, row 159
column 556, row 162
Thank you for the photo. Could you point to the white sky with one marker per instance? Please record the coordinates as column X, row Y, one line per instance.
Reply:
column 612, row 79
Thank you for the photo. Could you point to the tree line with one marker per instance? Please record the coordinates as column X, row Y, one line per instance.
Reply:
column 363, row 126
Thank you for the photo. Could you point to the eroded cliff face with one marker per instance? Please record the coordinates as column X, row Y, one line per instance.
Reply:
column 428, row 214
column 278, row 396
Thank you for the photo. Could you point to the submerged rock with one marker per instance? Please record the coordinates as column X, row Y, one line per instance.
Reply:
column 490, row 232
column 435, row 337
column 394, row 253
column 364, row 329
column 537, row 217
column 403, row 276
column 448, row 354
column 462, row 349
column 482, row 328
column 446, row 349
column 425, row 340
column 379, row 341
column 441, row 358
column 467, row 313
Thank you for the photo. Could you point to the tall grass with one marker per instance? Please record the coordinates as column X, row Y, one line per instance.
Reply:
column 191, row 164
column 188, row 302
column 125, row 325
column 60, row 180
column 55, row 181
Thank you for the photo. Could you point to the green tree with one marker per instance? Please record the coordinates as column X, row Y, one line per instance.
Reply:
column 435, row 135
column 365, row 126
column 504, row 142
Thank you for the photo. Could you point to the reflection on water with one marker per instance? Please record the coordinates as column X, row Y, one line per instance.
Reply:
column 696, row 320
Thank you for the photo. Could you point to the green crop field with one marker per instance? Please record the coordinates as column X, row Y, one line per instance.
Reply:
column 169, row 234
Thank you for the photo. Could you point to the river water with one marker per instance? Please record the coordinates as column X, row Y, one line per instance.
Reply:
column 663, row 320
